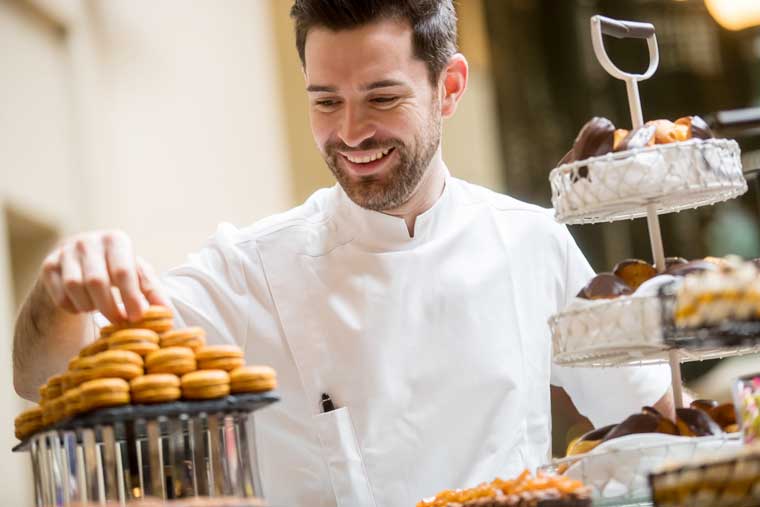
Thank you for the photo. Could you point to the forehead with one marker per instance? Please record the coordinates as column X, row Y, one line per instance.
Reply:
column 379, row 50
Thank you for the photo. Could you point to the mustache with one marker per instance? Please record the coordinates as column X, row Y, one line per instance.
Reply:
column 367, row 144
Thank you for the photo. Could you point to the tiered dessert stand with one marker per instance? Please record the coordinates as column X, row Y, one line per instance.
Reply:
column 171, row 450
column 645, row 182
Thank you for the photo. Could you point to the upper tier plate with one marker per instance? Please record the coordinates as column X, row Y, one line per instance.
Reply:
column 627, row 331
column 621, row 185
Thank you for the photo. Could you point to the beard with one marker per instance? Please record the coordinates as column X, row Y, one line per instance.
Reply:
column 395, row 186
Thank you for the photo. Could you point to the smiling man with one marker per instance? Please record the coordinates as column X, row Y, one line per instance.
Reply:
column 416, row 302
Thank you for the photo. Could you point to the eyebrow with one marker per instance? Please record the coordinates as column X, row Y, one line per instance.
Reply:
column 385, row 83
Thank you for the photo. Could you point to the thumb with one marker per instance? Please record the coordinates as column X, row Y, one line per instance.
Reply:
column 150, row 285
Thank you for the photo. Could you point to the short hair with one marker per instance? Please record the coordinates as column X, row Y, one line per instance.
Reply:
column 433, row 22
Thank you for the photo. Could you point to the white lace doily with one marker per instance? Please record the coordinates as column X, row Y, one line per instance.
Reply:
column 621, row 185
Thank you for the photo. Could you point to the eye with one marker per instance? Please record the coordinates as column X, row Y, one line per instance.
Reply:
column 386, row 100
column 326, row 104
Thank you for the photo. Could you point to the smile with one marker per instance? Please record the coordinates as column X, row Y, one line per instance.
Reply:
column 367, row 157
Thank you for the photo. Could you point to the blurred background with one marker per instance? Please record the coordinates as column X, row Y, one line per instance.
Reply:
column 165, row 118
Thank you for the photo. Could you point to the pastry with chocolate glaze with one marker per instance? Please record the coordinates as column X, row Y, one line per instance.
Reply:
column 704, row 405
column 674, row 262
column 696, row 127
column 634, row 272
column 638, row 138
column 696, row 423
column 664, row 425
column 724, row 415
column 588, row 440
column 698, row 266
column 605, row 286
column 595, row 138
column 636, row 423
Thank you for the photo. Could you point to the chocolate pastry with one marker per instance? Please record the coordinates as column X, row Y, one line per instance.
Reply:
column 605, row 286
column 724, row 415
column 672, row 262
column 696, row 127
column 638, row 138
column 664, row 425
column 696, row 423
column 594, row 139
column 692, row 267
column 636, row 423
column 634, row 272
column 704, row 405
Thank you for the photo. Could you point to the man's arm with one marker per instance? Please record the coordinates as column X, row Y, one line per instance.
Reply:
column 44, row 339
column 78, row 277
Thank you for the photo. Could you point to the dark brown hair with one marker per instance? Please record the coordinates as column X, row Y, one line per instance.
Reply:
column 433, row 22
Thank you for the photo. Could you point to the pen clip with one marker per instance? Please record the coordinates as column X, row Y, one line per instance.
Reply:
column 327, row 403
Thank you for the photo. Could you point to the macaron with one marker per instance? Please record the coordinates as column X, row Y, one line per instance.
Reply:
column 176, row 360
column 219, row 357
column 72, row 402
column 252, row 379
column 93, row 348
column 53, row 411
column 28, row 422
column 155, row 388
column 54, row 386
column 117, row 364
column 156, row 318
column 192, row 337
column 205, row 384
column 109, row 329
column 80, row 370
column 140, row 341
column 104, row 392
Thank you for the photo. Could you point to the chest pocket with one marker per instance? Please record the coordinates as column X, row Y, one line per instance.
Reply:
column 344, row 460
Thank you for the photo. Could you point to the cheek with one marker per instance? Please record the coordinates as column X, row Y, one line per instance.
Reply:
column 321, row 130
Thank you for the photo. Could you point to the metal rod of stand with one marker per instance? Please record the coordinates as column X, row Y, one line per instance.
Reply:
column 655, row 238
column 675, row 375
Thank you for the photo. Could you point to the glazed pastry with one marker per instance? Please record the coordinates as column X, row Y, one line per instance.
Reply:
column 636, row 423
column 605, row 286
column 634, row 272
column 681, row 269
column 695, row 423
column 704, row 405
column 638, row 138
column 594, row 139
column 696, row 127
column 724, row 415
column 588, row 440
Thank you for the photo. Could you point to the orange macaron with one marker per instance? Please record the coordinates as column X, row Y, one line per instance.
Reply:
column 252, row 379
column 140, row 341
column 176, row 360
column 219, row 357
column 191, row 337
column 104, row 392
column 205, row 384
column 28, row 422
column 93, row 348
column 155, row 388
column 117, row 364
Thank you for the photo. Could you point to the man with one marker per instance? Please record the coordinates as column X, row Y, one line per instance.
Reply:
column 417, row 302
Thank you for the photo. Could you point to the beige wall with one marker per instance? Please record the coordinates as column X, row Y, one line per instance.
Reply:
column 160, row 118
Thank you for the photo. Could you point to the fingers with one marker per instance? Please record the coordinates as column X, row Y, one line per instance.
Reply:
column 71, row 274
column 149, row 283
column 122, row 270
column 97, row 281
column 53, row 282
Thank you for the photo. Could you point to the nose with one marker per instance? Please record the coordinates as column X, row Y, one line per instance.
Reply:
column 355, row 126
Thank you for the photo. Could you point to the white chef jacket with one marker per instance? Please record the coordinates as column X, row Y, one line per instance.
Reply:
column 435, row 348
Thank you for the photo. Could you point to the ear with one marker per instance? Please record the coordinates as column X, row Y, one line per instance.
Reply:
column 454, row 81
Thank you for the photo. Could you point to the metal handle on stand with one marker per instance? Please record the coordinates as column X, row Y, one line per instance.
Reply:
column 600, row 26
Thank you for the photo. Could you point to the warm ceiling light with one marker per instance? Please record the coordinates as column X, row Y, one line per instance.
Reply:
column 735, row 14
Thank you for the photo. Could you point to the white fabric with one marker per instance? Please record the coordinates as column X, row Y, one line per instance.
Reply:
column 435, row 347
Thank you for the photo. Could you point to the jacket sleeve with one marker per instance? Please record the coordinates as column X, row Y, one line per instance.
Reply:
column 222, row 289
column 604, row 395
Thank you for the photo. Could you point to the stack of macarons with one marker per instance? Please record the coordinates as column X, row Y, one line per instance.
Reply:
column 144, row 362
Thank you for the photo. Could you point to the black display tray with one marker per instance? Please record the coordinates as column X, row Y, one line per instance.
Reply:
column 126, row 413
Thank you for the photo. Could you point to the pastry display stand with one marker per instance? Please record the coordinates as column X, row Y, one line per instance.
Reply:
column 637, row 330
column 644, row 182
column 171, row 450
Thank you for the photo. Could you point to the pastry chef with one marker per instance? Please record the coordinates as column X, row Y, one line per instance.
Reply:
column 404, row 310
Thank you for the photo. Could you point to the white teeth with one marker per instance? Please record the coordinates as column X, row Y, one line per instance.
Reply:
column 369, row 158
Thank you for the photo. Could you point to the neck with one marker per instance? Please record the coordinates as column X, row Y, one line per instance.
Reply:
column 424, row 196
